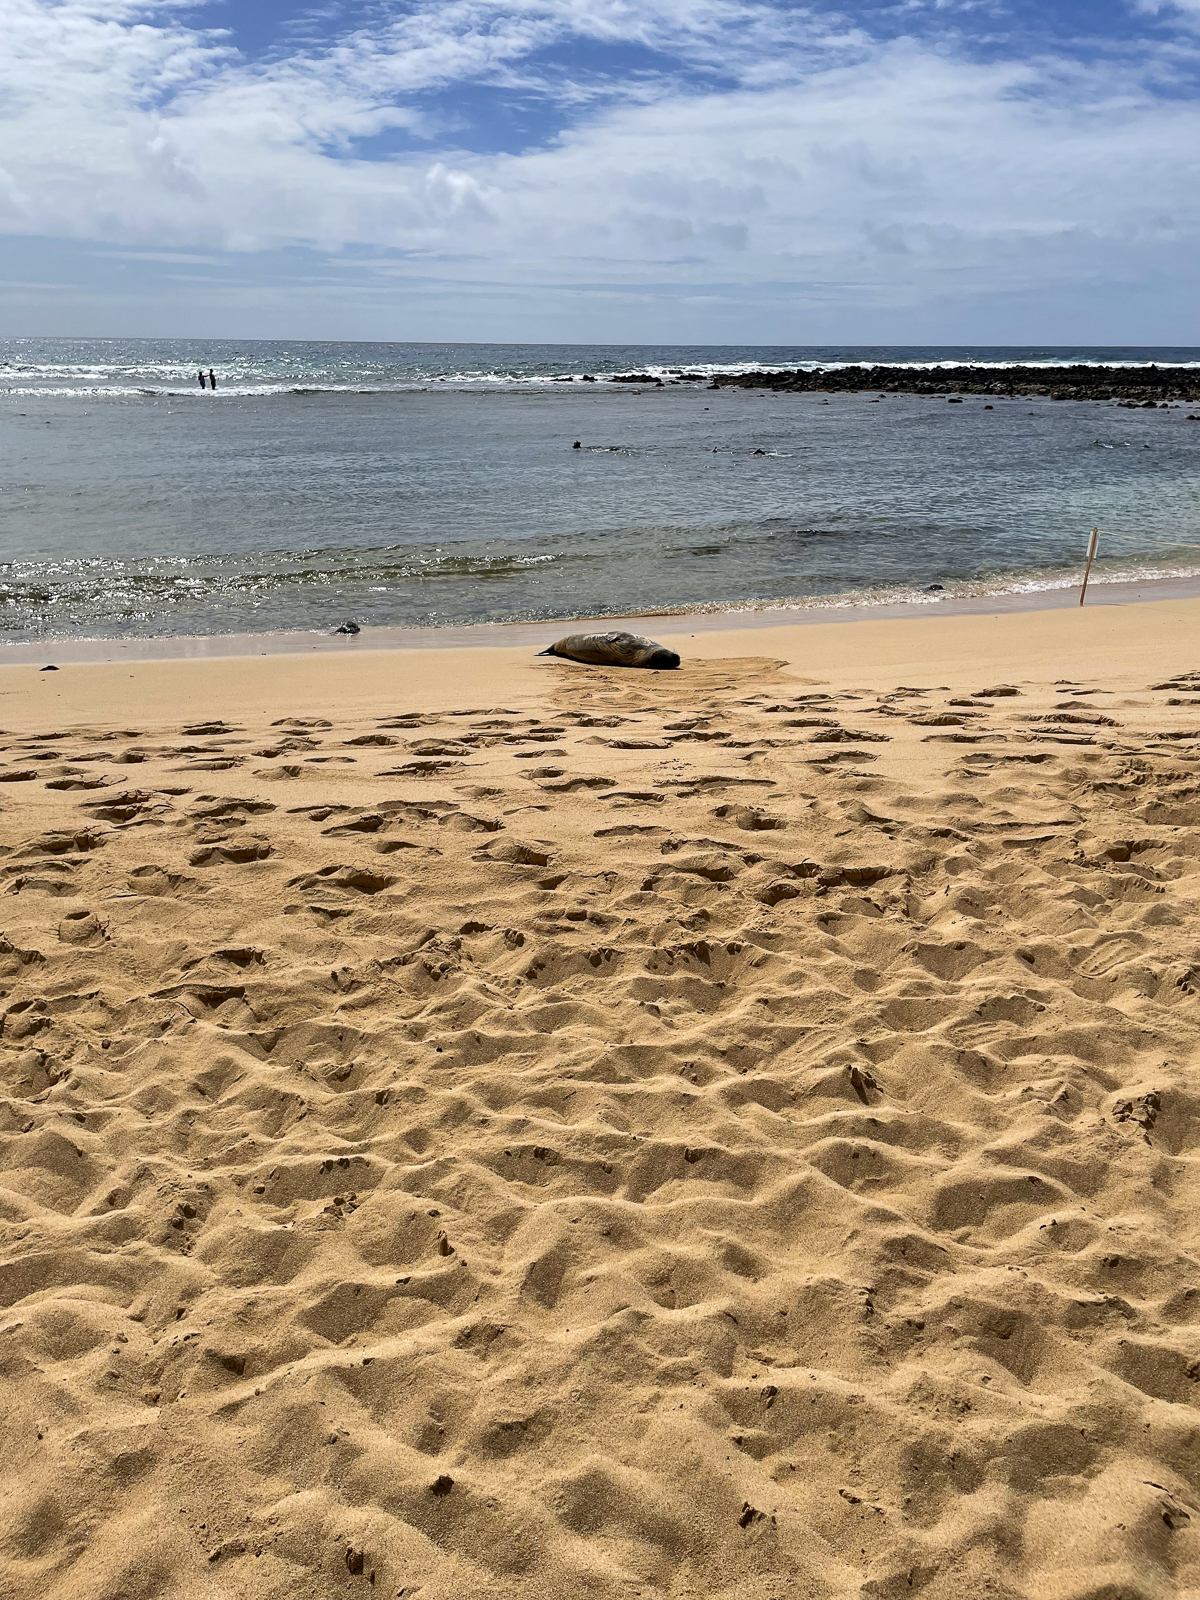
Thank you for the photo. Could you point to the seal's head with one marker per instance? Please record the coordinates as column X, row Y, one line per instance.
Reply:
column 662, row 658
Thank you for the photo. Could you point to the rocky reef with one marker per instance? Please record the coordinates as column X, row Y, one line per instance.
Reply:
column 1130, row 386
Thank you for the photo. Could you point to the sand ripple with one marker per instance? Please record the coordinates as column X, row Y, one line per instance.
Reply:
column 744, row 1154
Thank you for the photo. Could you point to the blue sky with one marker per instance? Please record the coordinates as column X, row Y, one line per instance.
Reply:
column 992, row 171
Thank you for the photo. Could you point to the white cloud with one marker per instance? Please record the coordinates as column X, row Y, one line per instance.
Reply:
column 887, row 173
column 1155, row 7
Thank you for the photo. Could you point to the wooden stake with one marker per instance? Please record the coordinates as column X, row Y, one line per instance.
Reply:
column 1091, row 556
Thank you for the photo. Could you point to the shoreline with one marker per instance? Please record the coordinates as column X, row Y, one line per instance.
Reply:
column 499, row 635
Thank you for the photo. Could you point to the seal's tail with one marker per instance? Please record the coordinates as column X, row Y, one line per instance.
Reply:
column 550, row 652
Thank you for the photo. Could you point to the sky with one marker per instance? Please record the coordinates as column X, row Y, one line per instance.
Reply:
column 574, row 171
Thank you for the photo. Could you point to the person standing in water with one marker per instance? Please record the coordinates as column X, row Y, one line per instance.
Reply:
column 212, row 381
column 200, row 375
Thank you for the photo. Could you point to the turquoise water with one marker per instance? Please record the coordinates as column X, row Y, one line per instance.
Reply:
column 421, row 484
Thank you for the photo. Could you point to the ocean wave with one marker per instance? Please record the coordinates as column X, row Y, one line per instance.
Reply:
column 92, row 598
column 251, row 380
column 881, row 597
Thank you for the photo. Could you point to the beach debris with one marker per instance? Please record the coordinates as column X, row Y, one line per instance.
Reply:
column 615, row 649
column 1091, row 555
column 349, row 626
column 48, row 669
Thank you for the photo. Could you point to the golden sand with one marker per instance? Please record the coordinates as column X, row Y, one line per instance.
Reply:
column 486, row 1128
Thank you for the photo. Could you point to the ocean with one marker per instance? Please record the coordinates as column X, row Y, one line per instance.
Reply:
column 441, row 485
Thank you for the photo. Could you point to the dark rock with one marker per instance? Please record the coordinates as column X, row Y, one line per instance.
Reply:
column 577, row 445
column 49, row 669
column 1128, row 386
column 934, row 588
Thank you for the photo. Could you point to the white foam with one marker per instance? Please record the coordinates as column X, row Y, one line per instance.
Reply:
column 284, row 375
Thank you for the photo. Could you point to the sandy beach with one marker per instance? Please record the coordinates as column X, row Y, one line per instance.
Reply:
column 480, row 1127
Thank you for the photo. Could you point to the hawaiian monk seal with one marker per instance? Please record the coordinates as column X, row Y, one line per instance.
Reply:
column 613, row 650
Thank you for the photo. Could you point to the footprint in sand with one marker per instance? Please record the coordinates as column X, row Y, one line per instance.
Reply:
column 763, row 1139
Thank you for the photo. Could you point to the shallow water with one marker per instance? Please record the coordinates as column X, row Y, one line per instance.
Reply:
column 439, row 485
